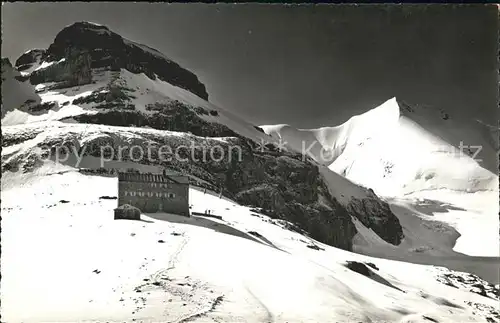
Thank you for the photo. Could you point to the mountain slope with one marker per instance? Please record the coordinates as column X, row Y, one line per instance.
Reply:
column 245, row 267
column 413, row 153
column 284, row 185
column 91, row 71
column 15, row 93
column 396, row 149
column 271, row 253
column 86, row 81
column 104, row 48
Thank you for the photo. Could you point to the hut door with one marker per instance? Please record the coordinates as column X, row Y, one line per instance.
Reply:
column 160, row 207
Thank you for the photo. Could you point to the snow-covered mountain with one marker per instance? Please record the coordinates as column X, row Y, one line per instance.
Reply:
column 397, row 149
column 279, row 252
column 415, row 153
column 93, row 76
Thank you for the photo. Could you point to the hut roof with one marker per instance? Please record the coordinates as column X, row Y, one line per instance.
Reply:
column 152, row 178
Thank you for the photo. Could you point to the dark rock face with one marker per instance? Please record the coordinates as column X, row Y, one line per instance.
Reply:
column 362, row 268
column 127, row 212
column 29, row 58
column 259, row 129
column 17, row 95
column 74, row 70
column 173, row 116
column 377, row 215
column 284, row 187
column 106, row 49
column 9, row 139
column 281, row 184
column 359, row 267
column 470, row 282
column 40, row 108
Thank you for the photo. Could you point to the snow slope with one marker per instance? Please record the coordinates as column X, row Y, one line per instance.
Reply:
column 397, row 150
column 147, row 89
column 144, row 91
column 67, row 260
column 149, row 92
column 413, row 153
column 23, row 143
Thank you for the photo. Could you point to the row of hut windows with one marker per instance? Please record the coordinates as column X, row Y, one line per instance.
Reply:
column 150, row 194
column 160, row 185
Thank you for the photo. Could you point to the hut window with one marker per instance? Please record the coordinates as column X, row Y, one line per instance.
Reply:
column 132, row 193
column 140, row 193
column 171, row 195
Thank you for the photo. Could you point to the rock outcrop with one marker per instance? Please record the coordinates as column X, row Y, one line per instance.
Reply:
column 173, row 116
column 84, row 45
column 377, row 215
column 283, row 187
column 30, row 59
column 15, row 93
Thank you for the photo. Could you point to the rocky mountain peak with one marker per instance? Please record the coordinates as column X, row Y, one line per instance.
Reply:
column 15, row 93
column 107, row 49
column 29, row 58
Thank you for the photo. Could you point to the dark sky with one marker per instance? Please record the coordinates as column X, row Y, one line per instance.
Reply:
column 306, row 65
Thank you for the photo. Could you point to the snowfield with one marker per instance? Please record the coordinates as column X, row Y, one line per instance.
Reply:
column 67, row 260
column 444, row 164
column 397, row 150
